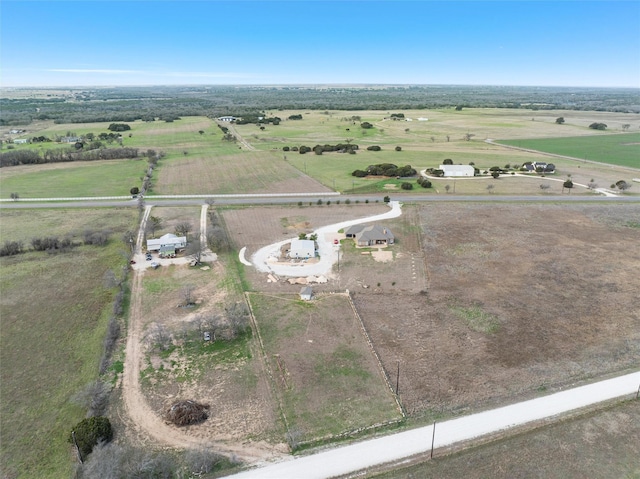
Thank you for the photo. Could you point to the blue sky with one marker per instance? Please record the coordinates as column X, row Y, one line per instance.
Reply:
column 92, row 43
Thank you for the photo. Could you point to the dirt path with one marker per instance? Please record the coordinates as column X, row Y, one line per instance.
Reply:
column 145, row 424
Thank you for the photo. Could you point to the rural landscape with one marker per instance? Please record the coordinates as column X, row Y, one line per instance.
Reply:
column 149, row 330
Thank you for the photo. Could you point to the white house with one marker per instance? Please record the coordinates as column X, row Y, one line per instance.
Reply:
column 167, row 242
column 302, row 249
column 458, row 170
column 226, row 118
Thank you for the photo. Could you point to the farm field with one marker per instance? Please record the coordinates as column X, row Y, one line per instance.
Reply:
column 201, row 163
column 476, row 318
column 52, row 332
column 591, row 445
column 501, row 319
column 622, row 149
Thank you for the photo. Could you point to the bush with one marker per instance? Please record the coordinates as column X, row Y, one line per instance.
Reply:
column 90, row 431
column 398, row 148
column 406, row 186
column 598, row 126
column 118, row 127
column 11, row 248
column 374, row 148
column 184, row 413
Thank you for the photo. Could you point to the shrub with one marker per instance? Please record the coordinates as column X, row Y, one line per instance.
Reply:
column 374, row 148
column 406, row 186
column 184, row 413
column 90, row 431
column 598, row 126
column 398, row 148
column 11, row 248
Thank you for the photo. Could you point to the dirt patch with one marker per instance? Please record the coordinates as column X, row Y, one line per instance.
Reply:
column 382, row 256
column 559, row 284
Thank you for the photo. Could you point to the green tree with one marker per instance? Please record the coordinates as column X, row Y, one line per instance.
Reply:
column 447, row 161
column 89, row 432
column 386, row 199
column 560, row 120
column 567, row 184
column 598, row 126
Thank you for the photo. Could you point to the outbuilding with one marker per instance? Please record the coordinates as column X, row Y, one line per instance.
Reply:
column 306, row 293
column 302, row 249
column 458, row 170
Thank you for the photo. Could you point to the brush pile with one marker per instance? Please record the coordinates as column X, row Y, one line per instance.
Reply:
column 187, row 412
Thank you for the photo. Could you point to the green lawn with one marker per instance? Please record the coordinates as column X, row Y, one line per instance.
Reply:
column 52, row 331
column 618, row 149
column 99, row 178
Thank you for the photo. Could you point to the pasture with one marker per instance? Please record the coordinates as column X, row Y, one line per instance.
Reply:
column 328, row 381
column 202, row 163
column 621, row 149
column 51, row 333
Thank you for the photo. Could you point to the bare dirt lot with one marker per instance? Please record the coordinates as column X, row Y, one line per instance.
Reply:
column 520, row 299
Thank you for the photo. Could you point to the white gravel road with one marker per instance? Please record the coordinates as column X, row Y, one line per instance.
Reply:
column 396, row 447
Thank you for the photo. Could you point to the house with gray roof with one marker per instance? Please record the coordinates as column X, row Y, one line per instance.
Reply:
column 372, row 235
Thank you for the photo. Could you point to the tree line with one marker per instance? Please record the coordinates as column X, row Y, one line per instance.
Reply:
column 32, row 157
column 170, row 103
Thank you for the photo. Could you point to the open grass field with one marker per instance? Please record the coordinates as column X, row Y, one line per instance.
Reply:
column 201, row 163
column 60, row 180
column 54, row 310
column 622, row 149
column 593, row 445
column 328, row 381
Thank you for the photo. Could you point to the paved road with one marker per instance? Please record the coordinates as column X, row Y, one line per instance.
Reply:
column 397, row 447
column 188, row 200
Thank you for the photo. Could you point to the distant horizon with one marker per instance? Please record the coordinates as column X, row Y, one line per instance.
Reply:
column 91, row 44
column 307, row 85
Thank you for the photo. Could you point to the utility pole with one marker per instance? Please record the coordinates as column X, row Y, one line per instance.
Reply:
column 433, row 438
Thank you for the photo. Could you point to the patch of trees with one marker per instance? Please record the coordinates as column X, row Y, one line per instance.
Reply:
column 217, row 238
column 295, row 117
column 366, row 125
column 435, row 172
column 30, row 157
column 424, row 182
column 385, row 169
column 258, row 120
column 374, row 148
column 118, row 127
column 111, row 460
column 598, row 126
column 397, row 116
column 320, row 149
column 54, row 244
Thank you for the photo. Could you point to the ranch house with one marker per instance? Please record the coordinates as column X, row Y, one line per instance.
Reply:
column 374, row 235
column 458, row 170
column 167, row 245
column 302, row 249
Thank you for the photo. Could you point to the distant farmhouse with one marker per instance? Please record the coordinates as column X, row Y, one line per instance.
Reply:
column 227, row 118
column 302, row 249
column 374, row 235
column 539, row 167
column 167, row 245
column 458, row 170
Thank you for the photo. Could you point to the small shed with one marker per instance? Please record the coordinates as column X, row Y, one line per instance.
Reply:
column 302, row 249
column 306, row 293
